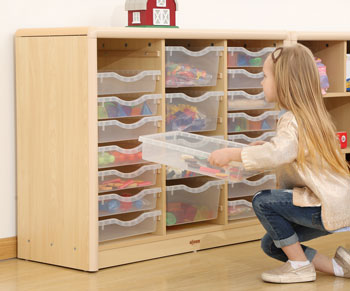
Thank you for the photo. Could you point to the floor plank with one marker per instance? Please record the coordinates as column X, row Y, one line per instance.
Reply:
column 235, row 267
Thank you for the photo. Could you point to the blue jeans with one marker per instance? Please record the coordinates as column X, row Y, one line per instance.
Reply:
column 285, row 223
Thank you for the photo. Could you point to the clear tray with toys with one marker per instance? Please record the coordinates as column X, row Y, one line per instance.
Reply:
column 242, row 122
column 241, row 57
column 238, row 209
column 113, row 180
column 175, row 173
column 249, row 188
column 241, row 100
column 114, row 107
column 187, row 204
column 190, row 152
column 115, row 156
column 185, row 68
column 113, row 228
column 192, row 114
column 244, row 139
column 111, row 204
column 123, row 82
column 242, row 79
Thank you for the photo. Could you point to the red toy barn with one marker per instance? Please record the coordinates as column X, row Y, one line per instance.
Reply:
column 151, row 12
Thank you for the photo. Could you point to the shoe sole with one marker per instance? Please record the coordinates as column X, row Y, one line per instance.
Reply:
column 342, row 253
column 274, row 279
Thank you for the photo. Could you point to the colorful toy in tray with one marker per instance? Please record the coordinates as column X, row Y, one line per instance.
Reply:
column 184, row 117
column 202, row 164
column 114, row 110
column 242, row 124
column 238, row 210
column 114, row 205
column 243, row 60
column 174, row 173
column 114, row 158
column 184, row 75
column 119, row 184
column 179, row 213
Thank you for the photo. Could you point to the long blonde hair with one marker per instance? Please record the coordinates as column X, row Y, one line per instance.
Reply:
column 299, row 91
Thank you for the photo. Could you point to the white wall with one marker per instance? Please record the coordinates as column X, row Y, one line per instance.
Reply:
column 233, row 14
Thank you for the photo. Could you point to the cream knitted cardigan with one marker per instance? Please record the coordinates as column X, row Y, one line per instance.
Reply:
column 310, row 187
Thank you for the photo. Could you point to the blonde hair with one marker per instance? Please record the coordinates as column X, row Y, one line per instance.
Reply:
column 299, row 91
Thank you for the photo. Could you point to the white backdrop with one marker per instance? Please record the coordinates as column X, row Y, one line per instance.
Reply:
column 232, row 14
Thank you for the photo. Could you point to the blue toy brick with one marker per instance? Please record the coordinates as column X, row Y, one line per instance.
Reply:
column 145, row 110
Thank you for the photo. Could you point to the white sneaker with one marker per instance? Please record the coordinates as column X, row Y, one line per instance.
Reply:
column 286, row 274
column 342, row 257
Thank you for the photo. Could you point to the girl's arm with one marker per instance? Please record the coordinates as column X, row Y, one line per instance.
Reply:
column 223, row 157
column 282, row 149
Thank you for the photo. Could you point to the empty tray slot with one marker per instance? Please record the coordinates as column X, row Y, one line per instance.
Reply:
column 113, row 228
column 121, row 82
column 242, row 79
column 114, row 130
column 249, row 188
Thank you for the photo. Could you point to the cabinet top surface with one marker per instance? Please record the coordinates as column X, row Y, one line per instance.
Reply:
column 177, row 33
column 154, row 33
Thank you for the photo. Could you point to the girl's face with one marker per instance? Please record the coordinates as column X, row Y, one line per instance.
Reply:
column 268, row 83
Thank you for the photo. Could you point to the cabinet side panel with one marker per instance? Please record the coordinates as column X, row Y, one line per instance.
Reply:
column 56, row 220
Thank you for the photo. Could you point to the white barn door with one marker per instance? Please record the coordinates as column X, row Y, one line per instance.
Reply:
column 161, row 17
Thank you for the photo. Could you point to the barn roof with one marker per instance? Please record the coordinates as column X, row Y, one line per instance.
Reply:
column 139, row 5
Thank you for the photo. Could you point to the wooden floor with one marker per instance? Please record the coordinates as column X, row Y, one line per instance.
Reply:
column 235, row 267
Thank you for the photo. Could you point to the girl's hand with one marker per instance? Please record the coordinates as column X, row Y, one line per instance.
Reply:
column 223, row 157
column 255, row 143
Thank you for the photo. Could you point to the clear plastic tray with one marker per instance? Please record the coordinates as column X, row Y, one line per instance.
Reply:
column 111, row 204
column 113, row 228
column 121, row 82
column 238, row 209
column 189, row 151
column 242, row 79
column 113, row 180
column 114, row 156
column 240, row 122
column 242, row 138
column 249, row 188
column 241, row 57
column 186, row 204
column 114, row 107
column 114, row 130
column 241, row 100
column 192, row 114
column 185, row 68
column 174, row 173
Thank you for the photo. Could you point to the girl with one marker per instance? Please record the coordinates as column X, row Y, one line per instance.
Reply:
column 314, row 195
